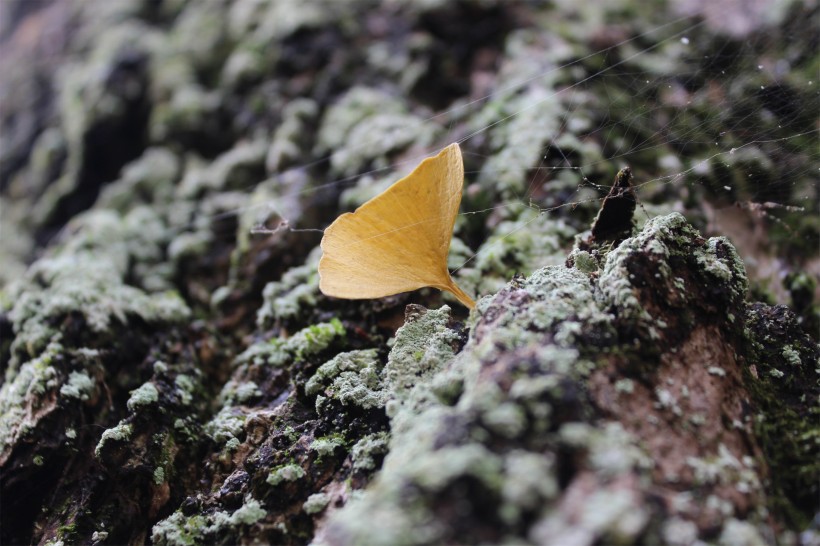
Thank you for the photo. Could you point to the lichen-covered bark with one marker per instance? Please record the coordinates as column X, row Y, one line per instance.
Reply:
column 174, row 376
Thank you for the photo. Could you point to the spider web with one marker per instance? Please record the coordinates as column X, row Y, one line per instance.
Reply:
column 714, row 107
column 717, row 122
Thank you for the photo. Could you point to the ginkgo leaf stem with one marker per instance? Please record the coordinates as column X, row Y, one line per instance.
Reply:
column 460, row 294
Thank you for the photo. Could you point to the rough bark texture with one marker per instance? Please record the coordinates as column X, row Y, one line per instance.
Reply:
column 170, row 377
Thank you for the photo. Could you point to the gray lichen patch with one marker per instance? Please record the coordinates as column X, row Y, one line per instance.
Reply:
column 86, row 278
column 79, row 385
column 285, row 473
column 787, row 416
column 181, row 530
column 294, row 294
column 362, row 113
column 145, row 395
column 534, row 382
column 523, row 242
column 120, row 433
column 305, row 343
column 22, row 393
column 351, row 378
column 218, row 137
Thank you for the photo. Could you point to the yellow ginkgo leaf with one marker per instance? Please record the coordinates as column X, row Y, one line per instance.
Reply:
column 399, row 240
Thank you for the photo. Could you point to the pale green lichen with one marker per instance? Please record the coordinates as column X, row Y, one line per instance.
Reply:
column 437, row 441
column 612, row 450
column 618, row 516
column 33, row 379
column 120, row 433
column 740, row 532
column 261, row 24
column 625, row 386
column 364, row 452
column 286, row 473
column 521, row 141
column 226, row 425
column 145, row 395
column 316, row 503
column 791, row 356
column 154, row 175
column 305, row 343
column 506, row 419
column 519, row 490
column 159, row 475
column 247, row 391
column 351, row 378
column 296, row 291
column 185, row 387
column 326, row 445
column 285, row 145
column 180, row 530
column 679, row 532
column 249, row 513
column 362, row 113
column 79, row 385
column 87, row 275
column 424, row 344
column 584, row 261
column 524, row 242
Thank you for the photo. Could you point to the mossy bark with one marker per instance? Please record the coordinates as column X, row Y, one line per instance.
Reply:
column 173, row 376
